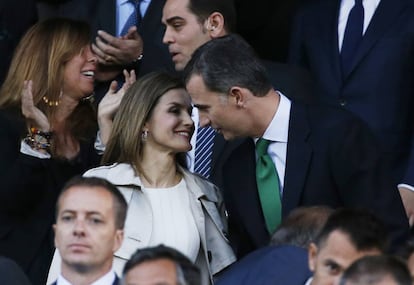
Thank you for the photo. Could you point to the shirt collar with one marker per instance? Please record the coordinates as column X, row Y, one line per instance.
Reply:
column 107, row 279
column 278, row 129
column 121, row 2
column 309, row 281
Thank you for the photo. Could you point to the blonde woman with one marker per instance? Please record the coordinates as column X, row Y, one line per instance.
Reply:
column 47, row 129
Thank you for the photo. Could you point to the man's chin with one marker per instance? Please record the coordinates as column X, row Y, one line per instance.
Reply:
column 80, row 266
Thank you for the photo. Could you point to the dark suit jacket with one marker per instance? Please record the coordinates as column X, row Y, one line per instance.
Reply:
column 270, row 265
column 116, row 281
column 14, row 22
column 29, row 189
column 11, row 273
column 293, row 81
column 332, row 159
column 266, row 25
column 380, row 86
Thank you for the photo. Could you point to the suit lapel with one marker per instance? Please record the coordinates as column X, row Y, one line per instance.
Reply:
column 242, row 191
column 298, row 157
column 384, row 16
column 151, row 19
column 326, row 30
column 218, row 147
column 332, row 40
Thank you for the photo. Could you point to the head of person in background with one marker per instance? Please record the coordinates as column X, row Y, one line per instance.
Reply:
column 191, row 23
column 160, row 265
column 159, row 115
column 90, row 217
column 348, row 235
column 377, row 270
column 407, row 253
column 50, row 78
column 301, row 226
column 227, row 82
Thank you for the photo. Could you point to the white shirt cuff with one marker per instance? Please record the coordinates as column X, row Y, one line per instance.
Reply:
column 99, row 145
column 409, row 187
column 26, row 149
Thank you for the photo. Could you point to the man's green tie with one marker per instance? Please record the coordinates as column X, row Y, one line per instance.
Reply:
column 268, row 186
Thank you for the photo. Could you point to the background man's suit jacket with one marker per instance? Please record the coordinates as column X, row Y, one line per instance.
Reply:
column 380, row 86
column 269, row 265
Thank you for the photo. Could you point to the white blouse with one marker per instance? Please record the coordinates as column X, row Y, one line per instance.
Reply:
column 174, row 223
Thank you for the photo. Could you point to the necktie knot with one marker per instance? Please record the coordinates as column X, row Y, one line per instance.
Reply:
column 261, row 146
column 358, row 2
column 138, row 2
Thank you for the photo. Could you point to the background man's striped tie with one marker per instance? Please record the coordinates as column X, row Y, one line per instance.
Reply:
column 203, row 151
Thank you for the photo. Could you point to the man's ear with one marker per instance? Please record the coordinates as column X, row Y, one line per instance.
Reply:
column 312, row 253
column 215, row 25
column 54, row 231
column 237, row 96
column 119, row 237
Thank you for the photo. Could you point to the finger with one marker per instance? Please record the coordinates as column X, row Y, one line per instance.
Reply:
column 130, row 76
column 132, row 33
column 111, row 53
column 109, row 39
column 113, row 87
column 133, row 76
column 100, row 55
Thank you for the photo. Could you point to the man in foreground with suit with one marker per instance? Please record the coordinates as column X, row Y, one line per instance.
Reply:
column 319, row 155
column 89, row 229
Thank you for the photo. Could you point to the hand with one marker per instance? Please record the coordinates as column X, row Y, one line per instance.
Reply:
column 122, row 51
column 110, row 104
column 36, row 117
column 407, row 197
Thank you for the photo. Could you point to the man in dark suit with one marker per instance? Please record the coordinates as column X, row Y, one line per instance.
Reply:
column 89, row 229
column 191, row 23
column 319, row 155
column 375, row 82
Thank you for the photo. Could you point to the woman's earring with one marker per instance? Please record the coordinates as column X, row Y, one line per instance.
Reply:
column 144, row 135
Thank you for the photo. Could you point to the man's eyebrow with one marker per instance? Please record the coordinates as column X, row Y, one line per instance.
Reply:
column 172, row 19
column 200, row 106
